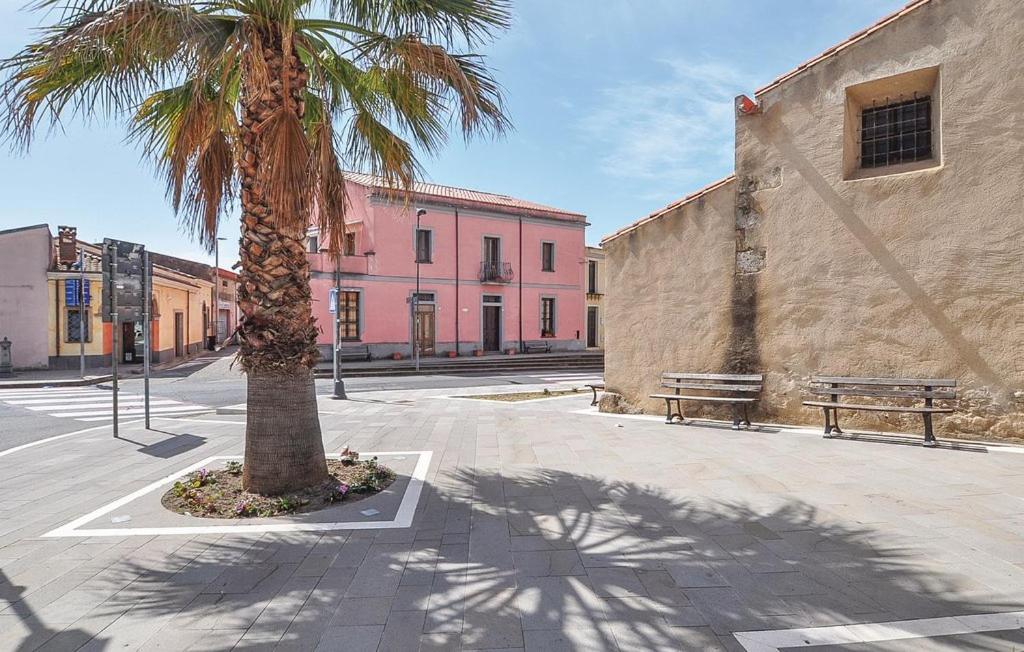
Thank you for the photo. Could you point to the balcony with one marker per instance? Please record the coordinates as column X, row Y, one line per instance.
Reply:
column 496, row 272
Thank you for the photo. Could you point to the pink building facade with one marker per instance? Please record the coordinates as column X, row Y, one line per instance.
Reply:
column 494, row 273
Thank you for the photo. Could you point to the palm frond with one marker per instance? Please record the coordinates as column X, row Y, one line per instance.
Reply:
column 102, row 59
column 190, row 132
column 449, row 22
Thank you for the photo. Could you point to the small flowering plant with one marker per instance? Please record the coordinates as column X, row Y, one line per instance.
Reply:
column 349, row 457
column 339, row 492
column 244, row 508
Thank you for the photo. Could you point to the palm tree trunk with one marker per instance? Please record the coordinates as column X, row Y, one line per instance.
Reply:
column 283, row 446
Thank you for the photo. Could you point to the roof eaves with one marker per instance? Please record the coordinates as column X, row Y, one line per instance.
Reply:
column 839, row 47
column 671, row 207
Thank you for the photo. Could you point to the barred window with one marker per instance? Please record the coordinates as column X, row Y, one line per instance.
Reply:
column 75, row 322
column 547, row 317
column 350, row 244
column 348, row 315
column 900, row 132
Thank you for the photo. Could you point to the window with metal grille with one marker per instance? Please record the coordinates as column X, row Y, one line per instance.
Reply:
column 350, row 244
column 348, row 315
column 547, row 317
column 74, row 322
column 313, row 244
column 592, row 276
column 900, row 132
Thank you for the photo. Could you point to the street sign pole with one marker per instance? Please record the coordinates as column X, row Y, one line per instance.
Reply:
column 115, row 339
column 83, row 314
column 335, row 307
column 147, row 297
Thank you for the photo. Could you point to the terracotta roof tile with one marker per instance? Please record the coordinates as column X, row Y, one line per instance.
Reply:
column 472, row 197
column 835, row 49
column 671, row 207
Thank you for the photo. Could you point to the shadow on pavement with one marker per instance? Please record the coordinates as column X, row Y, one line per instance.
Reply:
column 548, row 560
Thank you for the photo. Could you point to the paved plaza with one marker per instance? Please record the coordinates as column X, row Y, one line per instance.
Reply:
column 541, row 526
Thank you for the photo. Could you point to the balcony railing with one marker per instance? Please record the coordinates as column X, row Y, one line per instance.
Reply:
column 495, row 272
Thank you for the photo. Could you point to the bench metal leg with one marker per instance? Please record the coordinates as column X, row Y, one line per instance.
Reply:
column 831, row 422
column 746, row 415
column 669, row 414
column 594, row 402
column 929, row 436
column 735, row 416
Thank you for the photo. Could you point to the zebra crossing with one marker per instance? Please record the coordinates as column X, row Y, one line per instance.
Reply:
column 93, row 403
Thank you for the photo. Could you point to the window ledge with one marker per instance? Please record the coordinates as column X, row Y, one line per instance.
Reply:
column 894, row 170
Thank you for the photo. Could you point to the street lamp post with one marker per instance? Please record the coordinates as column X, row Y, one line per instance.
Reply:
column 416, row 297
column 216, row 291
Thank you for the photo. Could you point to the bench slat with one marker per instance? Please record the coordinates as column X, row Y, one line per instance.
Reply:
column 710, row 399
column 891, row 382
column 888, row 393
column 736, row 377
column 713, row 387
column 877, row 408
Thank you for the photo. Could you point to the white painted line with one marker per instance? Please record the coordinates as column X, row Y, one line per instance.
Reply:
column 134, row 411
column 73, row 399
column 90, row 406
column 5, row 396
column 775, row 640
column 55, row 438
column 403, row 517
column 176, row 418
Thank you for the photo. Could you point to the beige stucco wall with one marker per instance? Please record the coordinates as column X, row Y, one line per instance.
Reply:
column 24, row 258
column 668, row 291
column 915, row 274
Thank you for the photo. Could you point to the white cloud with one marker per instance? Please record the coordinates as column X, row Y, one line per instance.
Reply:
column 677, row 127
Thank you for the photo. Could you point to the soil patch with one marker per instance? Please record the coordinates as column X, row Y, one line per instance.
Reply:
column 217, row 493
column 513, row 397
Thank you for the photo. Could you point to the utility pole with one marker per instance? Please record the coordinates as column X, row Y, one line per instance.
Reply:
column 147, row 297
column 416, row 297
column 339, row 382
column 216, row 291
column 115, row 336
column 83, row 313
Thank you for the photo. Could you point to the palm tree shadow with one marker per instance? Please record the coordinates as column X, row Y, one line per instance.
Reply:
column 549, row 559
column 35, row 632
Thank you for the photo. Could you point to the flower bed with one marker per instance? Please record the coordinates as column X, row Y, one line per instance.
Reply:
column 515, row 397
column 217, row 493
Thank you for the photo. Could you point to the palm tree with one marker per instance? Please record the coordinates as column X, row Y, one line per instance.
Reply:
column 264, row 101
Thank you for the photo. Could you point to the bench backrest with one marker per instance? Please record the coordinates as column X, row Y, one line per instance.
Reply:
column 924, row 388
column 724, row 383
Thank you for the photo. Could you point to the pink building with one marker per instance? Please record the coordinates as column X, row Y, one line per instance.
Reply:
column 495, row 272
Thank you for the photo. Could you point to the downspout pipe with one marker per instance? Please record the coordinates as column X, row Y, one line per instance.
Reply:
column 521, row 347
column 458, row 305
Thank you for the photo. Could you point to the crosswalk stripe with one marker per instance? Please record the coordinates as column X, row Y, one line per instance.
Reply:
column 93, row 403
column 134, row 411
column 107, row 404
column 6, row 395
column 76, row 399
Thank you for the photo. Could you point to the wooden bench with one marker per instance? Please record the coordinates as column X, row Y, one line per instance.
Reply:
column 537, row 346
column 353, row 352
column 736, row 390
column 912, row 389
column 595, row 387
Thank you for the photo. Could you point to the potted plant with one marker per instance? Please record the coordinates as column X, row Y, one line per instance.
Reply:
column 453, row 354
column 396, row 356
column 510, row 351
column 478, row 352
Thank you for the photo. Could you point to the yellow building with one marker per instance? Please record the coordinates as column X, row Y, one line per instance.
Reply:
column 179, row 324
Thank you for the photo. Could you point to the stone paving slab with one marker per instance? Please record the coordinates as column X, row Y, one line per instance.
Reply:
column 538, row 528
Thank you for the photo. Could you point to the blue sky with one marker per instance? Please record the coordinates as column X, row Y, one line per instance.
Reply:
column 619, row 106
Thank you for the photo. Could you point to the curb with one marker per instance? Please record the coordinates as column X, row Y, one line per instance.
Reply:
column 35, row 384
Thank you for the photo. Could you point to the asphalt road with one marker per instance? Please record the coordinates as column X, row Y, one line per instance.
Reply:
column 206, row 382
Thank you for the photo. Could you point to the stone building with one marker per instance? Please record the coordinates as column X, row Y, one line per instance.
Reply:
column 874, row 227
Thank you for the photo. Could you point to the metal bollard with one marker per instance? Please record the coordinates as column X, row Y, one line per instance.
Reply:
column 6, row 366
